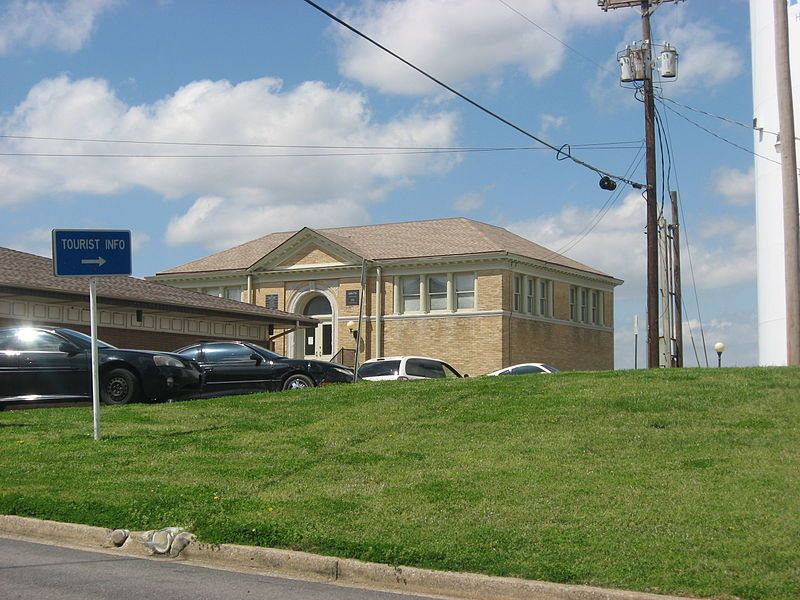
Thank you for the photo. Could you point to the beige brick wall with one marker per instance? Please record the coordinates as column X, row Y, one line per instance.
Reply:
column 493, row 290
column 608, row 309
column 565, row 346
column 470, row 344
column 560, row 302
column 314, row 256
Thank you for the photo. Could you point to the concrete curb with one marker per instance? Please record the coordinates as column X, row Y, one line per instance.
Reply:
column 302, row 565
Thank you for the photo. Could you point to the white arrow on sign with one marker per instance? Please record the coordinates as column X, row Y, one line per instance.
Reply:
column 93, row 261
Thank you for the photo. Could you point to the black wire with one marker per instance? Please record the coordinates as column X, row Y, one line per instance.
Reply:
column 467, row 98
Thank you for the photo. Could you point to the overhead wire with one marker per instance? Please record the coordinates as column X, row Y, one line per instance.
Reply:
column 553, row 36
column 685, row 238
column 559, row 151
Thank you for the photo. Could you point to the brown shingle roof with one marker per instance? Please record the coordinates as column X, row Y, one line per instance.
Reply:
column 392, row 241
column 20, row 271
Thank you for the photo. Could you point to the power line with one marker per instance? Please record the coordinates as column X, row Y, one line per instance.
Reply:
column 685, row 238
column 719, row 137
column 556, row 38
column 559, row 151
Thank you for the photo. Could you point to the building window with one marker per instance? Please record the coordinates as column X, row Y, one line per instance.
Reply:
column 596, row 307
column 584, row 308
column 409, row 287
column 530, row 296
column 216, row 292
column 437, row 292
column 573, row 303
column 465, row 290
column 234, row 293
column 544, row 297
column 271, row 301
column 517, row 292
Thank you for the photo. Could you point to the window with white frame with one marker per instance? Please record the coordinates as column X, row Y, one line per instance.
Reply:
column 530, row 295
column 409, row 289
column 584, row 305
column 214, row 292
column 573, row 303
column 517, row 292
column 544, row 297
column 234, row 293
column 437, row 292
column 597, row 307
column 465, row 290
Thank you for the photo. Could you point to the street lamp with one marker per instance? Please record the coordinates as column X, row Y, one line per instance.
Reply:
column 353, row 327
column 719, row 348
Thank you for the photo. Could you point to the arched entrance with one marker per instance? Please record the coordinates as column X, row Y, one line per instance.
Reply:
column 317, row 341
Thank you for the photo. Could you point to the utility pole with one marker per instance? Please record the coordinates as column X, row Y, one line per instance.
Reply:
column 640, row 63
column 789, row 179
column 676, row 277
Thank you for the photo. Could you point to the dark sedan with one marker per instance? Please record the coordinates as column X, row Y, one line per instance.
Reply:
column 241, row 368
column 41, row 364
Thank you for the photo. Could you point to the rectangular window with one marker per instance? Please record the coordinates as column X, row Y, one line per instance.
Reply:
column 584, row 305
column 234, row 293
column 596, row 307
column 530, row 298
column 544, row 297
column 409, row 287
column 437, row 292
column 271, row 301
column 214, row 292
column 465, row 290
column 517, row 292
column 573, row 304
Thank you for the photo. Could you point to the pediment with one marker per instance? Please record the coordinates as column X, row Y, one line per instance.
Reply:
column 307, row 249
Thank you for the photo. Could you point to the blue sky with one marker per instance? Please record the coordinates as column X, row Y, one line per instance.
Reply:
column 281, row 73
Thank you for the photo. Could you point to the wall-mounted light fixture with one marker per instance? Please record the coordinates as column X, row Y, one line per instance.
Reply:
column 353, row 327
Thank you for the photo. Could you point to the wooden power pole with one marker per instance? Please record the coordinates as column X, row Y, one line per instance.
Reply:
column 789, row 179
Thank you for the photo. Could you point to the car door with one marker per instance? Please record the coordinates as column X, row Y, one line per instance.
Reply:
column 423, row 368
column 50, row 371
column 10, row 374
column 231, row 368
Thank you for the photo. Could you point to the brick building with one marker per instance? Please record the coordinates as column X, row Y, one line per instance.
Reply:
column 472, row 294
column 131, row 312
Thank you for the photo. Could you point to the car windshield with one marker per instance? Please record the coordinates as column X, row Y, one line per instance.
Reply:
column 551, row 368
column 379, row 368
column 81, row 339
column 268, row 353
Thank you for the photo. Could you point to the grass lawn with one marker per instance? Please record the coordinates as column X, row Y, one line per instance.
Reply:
column 681, row 481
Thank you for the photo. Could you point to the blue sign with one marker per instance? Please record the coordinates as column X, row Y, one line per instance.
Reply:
column 91, row 253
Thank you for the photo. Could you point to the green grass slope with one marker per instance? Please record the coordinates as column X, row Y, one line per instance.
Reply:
column 681, row 481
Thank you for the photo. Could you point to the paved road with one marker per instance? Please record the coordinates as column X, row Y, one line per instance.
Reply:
column 42, row 572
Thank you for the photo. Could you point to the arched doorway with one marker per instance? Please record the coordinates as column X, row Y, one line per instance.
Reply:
column 317, row 341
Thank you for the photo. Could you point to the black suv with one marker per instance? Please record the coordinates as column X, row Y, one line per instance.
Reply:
column 234, row 367
column 52, row 364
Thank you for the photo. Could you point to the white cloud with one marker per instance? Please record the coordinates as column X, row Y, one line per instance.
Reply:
column 244, row 190
column 457, row 40
column 706, row 60
column 64, row 26
column 722, row 250
column 33, row 241
column 472, row 200
column 738, row 187
column 550, row 122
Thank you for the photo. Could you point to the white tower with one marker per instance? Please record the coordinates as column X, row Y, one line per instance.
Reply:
column 769, row 198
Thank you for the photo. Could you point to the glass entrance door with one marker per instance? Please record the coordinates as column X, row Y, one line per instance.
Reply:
column 318, row 341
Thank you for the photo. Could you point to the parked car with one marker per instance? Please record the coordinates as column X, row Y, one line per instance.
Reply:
column 234, row 367
column 53, row 364
column 525, row 369
column 402, row 368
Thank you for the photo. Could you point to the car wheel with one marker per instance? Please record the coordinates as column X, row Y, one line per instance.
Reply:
column 297, row 382
column 119, row 386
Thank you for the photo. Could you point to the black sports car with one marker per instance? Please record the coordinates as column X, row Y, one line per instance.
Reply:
column 241, row 367
column 53, row 364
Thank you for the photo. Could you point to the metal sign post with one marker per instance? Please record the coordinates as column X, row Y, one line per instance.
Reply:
column 92, row 253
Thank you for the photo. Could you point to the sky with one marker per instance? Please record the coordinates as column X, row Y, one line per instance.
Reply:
column 272, row 117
